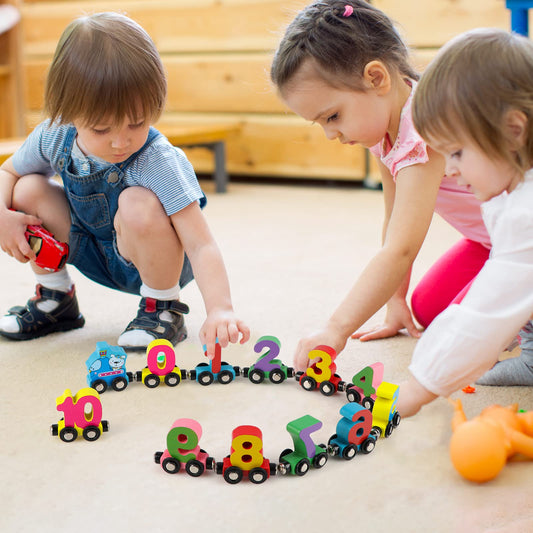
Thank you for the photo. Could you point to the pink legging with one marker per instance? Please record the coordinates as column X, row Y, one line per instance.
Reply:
column 448, row 280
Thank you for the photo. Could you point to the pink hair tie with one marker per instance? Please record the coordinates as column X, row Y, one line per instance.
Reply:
column 348, row 11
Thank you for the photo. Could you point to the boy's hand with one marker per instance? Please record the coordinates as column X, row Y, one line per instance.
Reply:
column 327, row 336
column 224, row 325
column 13, row 242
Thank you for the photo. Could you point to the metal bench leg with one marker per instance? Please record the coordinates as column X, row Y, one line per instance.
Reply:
column 221, row 175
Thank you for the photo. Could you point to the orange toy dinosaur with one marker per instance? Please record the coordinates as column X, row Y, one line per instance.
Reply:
column 480, row 448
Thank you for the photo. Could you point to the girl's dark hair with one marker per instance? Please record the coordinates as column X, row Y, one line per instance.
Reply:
column 340, row 46
column 105, row 66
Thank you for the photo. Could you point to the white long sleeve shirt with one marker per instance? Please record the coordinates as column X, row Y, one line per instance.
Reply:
column 465, row 340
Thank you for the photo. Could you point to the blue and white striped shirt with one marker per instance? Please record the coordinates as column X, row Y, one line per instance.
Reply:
column 162, row 168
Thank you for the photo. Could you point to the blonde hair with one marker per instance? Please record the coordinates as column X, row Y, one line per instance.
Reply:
column 339, row 44
column 468, row 88
column 105, row 66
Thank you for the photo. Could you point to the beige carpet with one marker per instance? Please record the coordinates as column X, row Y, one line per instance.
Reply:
column 291, row 252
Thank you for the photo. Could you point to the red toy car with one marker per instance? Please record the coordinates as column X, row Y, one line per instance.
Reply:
column 51, row 254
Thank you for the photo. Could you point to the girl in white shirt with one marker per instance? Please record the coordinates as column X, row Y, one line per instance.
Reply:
column 474, row 105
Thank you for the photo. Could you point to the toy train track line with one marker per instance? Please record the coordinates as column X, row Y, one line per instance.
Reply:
column 370, row 411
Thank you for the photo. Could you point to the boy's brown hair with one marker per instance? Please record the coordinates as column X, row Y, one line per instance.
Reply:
column 105, row 67
column 467, row 89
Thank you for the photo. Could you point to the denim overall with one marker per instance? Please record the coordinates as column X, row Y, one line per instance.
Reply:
column 93, row 201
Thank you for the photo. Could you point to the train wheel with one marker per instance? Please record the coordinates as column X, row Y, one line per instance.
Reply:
column 256, row 376
column 68, row 434
column 91, row 433
column 225, row 377
column 308, row 383
column 205, row 378
column 353, row 396
column 152, row 381
column 171, row 465
column 320, row 459
column 257, row 475
column 119, row 384
column 349, row 452
column 302, row 467
column 233, row 475
column 327, row 388
column 396, row 419
column 194, row 468
column 368, row 445
column 368, row 403
column 172, row 379
column 100, row 386
column 276, row 376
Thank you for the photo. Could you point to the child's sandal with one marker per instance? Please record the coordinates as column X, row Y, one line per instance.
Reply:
column 149, row 320
column 35, row 323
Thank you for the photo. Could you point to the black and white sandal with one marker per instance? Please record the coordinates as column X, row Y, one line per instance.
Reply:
column 35, row 323
column 159, row 319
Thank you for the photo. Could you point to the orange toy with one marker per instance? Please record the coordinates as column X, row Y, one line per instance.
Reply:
column 480, row 448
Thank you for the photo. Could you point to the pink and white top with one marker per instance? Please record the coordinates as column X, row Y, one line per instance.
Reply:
column 455, row 204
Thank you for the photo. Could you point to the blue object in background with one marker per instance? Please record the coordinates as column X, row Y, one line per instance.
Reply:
column 519, row 15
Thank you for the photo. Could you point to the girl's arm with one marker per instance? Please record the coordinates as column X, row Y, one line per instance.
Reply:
column 415, row 193
column 398, row 312
column 13, row 224
column 210, row 274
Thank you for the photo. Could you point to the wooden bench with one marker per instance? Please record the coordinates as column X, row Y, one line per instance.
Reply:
column 211, row 137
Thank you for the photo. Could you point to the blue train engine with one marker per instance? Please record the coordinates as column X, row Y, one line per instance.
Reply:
column 107, row 368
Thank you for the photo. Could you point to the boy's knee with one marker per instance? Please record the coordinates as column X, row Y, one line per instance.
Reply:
column 27, row 191
column 140, row 211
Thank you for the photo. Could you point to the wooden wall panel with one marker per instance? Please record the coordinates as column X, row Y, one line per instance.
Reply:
column 278, row 145
column 34, row 75
column 431, row 23
column 217, row 55
column 221, row 82
column 175, row 26
column 196, row 82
